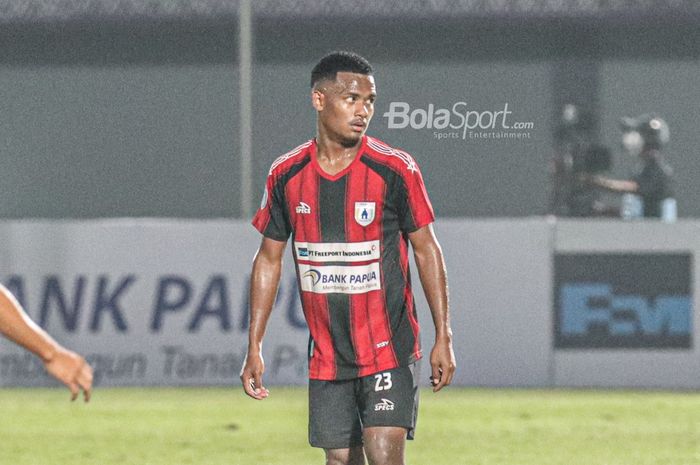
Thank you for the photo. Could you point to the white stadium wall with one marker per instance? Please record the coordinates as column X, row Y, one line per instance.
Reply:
column 163, row 302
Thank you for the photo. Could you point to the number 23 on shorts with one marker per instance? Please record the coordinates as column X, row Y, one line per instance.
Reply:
column 383, row 382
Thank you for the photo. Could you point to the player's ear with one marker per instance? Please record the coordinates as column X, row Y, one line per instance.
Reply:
column 317, row 99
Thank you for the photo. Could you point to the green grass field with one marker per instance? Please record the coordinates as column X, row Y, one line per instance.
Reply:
column 145, row 426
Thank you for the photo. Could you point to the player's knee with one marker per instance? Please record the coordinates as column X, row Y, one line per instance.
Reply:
column 385, row 446
column 344, row 461
column 335, row 461
column 385, row 458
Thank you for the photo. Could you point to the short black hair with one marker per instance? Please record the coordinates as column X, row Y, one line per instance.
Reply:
column 333, row 63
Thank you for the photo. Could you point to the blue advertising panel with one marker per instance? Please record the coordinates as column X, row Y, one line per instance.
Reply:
column 623, row 301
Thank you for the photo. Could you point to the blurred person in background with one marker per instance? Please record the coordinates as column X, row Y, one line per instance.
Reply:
column 585, row 199
column 649, row 193
column 571, row 139
column 575, row 156
column 64, row 365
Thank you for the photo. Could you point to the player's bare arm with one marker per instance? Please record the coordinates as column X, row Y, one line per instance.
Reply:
column 433, row 277
column 264, row 282
column 64, row 365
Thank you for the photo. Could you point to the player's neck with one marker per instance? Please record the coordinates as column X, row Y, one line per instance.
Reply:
column 334, row 152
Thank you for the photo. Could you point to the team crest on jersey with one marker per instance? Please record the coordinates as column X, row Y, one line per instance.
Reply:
column 364, row 212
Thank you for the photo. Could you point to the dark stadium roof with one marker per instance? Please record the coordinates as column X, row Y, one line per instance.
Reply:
column 48, row 11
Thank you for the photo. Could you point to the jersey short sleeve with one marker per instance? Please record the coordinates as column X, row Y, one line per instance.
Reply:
column 272, row 219
column 417, row 210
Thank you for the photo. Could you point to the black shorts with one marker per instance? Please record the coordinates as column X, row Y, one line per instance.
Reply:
column 338, row 410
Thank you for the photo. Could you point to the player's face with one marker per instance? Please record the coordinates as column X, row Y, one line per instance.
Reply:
column 345, row 106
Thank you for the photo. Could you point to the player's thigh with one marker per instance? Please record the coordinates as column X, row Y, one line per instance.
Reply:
column 334, row 421
column 390, row 398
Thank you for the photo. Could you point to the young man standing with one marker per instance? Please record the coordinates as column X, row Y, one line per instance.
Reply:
column 351, row 204
column 64, row 365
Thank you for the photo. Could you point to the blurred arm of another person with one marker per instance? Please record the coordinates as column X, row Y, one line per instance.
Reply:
column 620, row 186
column 66, row 366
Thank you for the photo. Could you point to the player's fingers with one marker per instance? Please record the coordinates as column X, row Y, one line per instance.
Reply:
column 436, row 371
column 86, row 384
column 447, row 368
column 435, row 375
column 447, row 371
column 446, row 379
column 84, row 380
column 258, row 386
column 85, row 376
column 74, row 391
column 86, row 392
column 450, row 375
column 441, row 384
column 257, row 390
column 249, row 385
column 248, row 390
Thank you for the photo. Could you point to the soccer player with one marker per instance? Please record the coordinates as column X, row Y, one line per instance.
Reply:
column 64, row 365
column 351, row 204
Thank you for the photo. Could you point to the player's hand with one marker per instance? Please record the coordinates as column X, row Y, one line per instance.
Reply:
column 251, row 376
column 442, row 362
column 72, row 370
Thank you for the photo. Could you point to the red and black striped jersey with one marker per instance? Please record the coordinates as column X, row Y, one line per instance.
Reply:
column 350, row 245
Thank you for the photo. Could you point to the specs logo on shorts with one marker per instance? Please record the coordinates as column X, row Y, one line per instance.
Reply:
column 303, row 208
column 385, row 405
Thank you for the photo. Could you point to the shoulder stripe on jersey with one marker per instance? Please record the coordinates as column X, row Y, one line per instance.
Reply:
column 296, row 151
column 386, row 150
